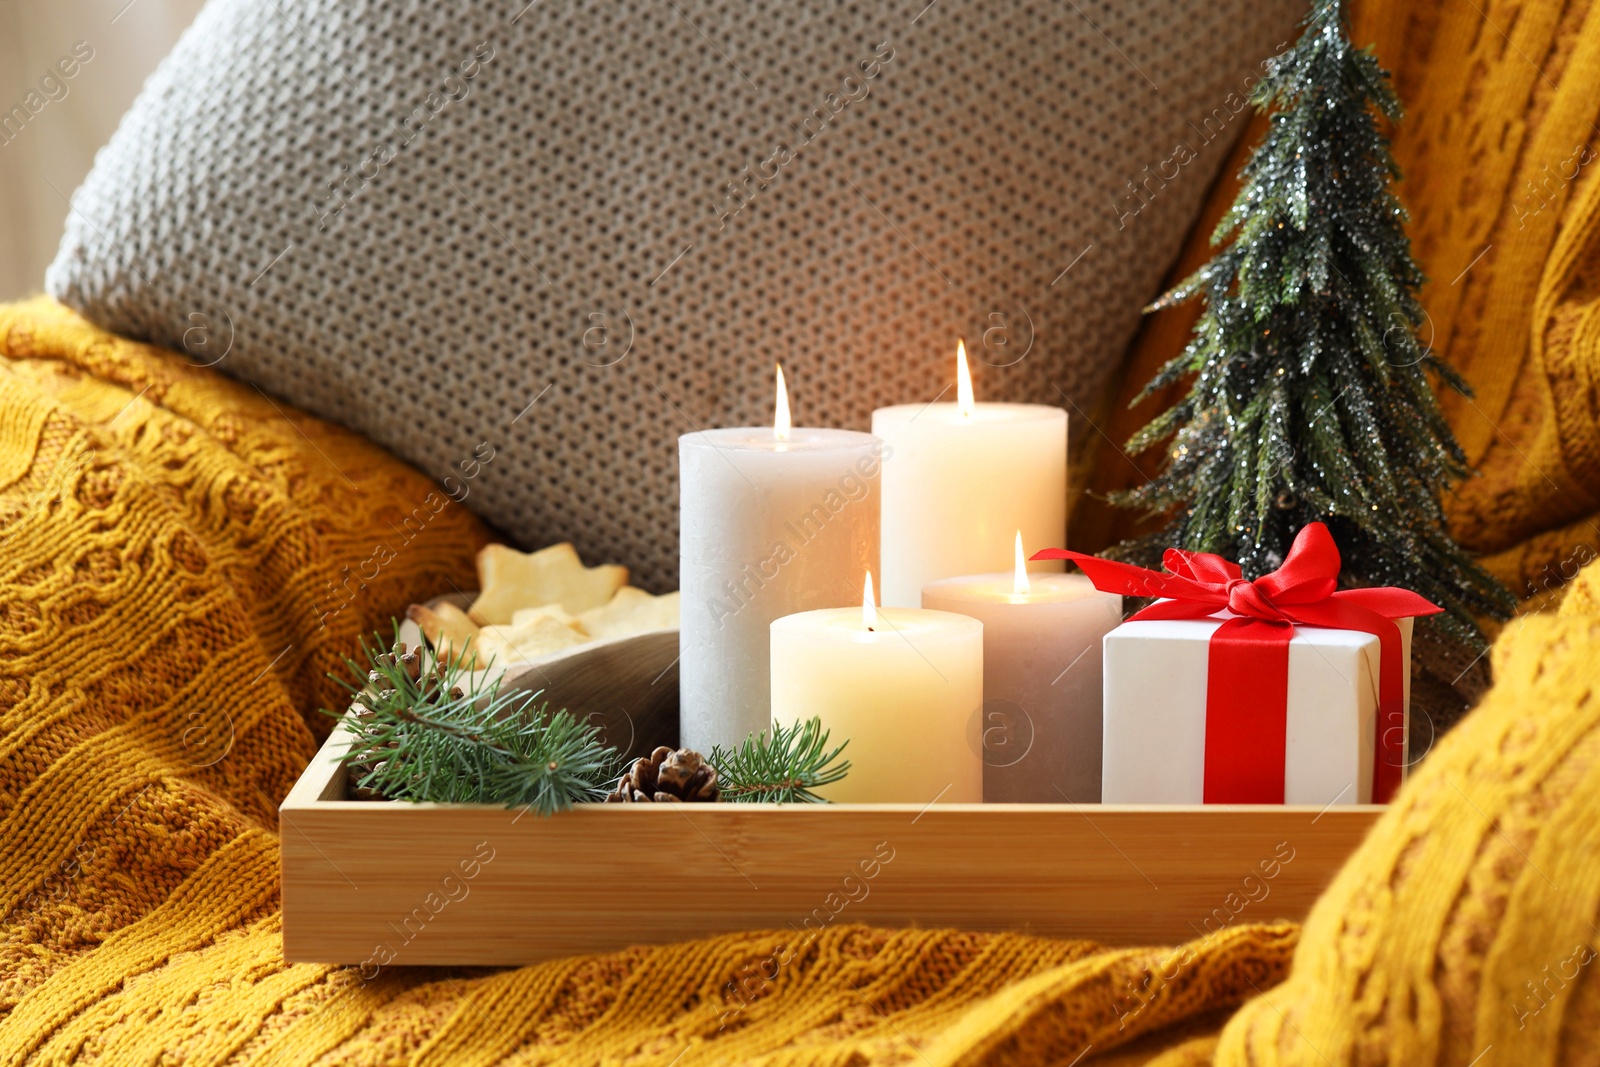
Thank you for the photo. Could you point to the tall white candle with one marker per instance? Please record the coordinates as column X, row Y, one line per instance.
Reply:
column 903, row 685
column 773, row 521
column 959, row 478
column 1042, row 670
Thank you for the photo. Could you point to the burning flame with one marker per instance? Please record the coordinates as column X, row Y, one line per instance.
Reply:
column 780, row 415
column 869, row 610
column 964, row 400
column 1019, row 584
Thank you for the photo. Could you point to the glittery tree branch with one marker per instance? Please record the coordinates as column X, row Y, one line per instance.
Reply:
column 1310, row 397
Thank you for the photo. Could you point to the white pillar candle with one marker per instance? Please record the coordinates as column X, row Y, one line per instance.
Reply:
column 958, row 478
column 1042, row 671
column 903, row 685
column 773, row 521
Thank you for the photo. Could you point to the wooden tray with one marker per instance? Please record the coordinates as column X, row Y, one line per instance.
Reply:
column 379, row 884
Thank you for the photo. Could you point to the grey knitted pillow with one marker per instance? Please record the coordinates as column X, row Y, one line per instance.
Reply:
column 560, row 234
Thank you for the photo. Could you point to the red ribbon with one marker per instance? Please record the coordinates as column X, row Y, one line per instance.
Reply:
column 1247, row 698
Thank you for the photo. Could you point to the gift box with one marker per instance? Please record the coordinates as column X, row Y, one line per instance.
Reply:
column 1156, row 714
column 1282, row 689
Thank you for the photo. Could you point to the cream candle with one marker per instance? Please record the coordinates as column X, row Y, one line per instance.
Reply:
column 772, row 521
column 1042, row 670
column 902, row 684
column 958, row 478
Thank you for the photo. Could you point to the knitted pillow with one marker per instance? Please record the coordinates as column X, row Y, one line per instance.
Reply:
column 526, row 248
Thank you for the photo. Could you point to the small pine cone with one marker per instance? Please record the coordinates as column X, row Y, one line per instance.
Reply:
column 359, row 771
column 668, row 776
column 685, row 775
column 411, row 661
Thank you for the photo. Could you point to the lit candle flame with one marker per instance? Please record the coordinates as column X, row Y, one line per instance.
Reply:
column 780, row 415
column 869, row 610
column 1019, row 584
column 964, row 400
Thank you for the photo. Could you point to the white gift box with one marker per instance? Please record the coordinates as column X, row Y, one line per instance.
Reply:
column 1155, row 712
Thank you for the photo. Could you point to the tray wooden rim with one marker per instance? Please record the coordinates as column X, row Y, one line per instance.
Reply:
column 356, row 874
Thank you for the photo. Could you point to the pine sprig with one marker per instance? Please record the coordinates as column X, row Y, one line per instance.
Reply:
column 784, row 765
column 432, row 730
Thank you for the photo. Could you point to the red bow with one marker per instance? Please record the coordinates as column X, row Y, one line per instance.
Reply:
column 1248, row 676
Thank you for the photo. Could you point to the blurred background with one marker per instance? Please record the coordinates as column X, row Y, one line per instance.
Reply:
column 51, row 124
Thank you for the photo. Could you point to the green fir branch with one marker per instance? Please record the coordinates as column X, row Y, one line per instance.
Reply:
column 785, row 765
column 432, row 730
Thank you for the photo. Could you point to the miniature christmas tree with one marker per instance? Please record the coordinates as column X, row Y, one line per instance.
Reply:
column 1310, row 400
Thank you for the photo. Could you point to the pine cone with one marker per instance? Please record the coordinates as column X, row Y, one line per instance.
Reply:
column 417, row 667
column 364, row 792
column 399, row 655
column 667, row 776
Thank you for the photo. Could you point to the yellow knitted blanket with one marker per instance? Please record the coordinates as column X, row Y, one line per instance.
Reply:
column 175, row 561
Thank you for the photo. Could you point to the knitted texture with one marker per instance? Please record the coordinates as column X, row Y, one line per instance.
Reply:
column 182, row 561
column 572, row 232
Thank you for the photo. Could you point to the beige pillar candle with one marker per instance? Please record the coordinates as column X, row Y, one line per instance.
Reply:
column 959, row 478
column 774, row 520
column 1042, row 722
column 905, row 687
